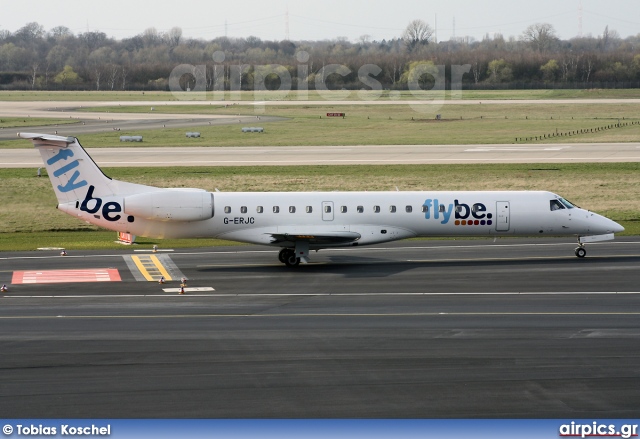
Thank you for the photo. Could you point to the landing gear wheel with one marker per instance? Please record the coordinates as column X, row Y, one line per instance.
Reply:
column 581, row 252
column 284, row 254
column 292, row 261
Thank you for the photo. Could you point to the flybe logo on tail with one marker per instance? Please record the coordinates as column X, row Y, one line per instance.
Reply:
column 110, row 210
column 73, row 182
column 476, row 215
column 93, row 204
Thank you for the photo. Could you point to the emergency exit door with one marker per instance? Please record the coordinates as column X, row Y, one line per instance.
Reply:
column 327, row 210
column 503, row 217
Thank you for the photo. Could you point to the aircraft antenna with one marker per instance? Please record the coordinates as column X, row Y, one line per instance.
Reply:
column 580, row 18
column 436, row 26
column 286, row 24
column 454, row 28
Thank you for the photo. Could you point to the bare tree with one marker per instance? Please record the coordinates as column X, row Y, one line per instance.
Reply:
column 541, row 36
column 174, row 36
column 124, row 77
column 608, row 38
column 113, row 75
column 418, row 33
column 34, row 74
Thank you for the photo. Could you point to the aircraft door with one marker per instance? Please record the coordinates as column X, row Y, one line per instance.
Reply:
column 502, row 216
column 327, row 211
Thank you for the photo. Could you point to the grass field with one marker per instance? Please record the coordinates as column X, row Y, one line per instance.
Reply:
column 32, row 220
column 60, row 96
column 16, row 122
column 386, row 125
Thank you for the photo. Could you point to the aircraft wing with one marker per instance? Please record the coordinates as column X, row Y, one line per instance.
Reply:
column 316, row 238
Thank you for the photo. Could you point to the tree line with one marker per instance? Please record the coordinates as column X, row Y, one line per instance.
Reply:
column 35, row 59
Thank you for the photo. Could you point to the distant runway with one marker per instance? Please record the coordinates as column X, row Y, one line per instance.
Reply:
column 343, row 155
column 413, row 329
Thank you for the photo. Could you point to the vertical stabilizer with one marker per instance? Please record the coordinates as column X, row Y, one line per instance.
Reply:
column 71, row 170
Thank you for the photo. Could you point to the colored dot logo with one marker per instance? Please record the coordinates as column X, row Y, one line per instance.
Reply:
column 473, row 222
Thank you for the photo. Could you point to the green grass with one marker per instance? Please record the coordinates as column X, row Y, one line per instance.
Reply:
column 31, row 220
column 15, row 122
column 60, row 96
column 93, row 240
column 386, row 125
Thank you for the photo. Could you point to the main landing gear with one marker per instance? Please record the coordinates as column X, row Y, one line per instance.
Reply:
column 288, row 257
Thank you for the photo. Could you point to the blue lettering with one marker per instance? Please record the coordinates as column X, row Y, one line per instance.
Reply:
column 478, row 208
column 427, row 204
column 109, row 208
column 462, row 210
column 71, row 184
column 66, row 168
column 89, row 197
column 63, row 154
column 447, row 214
column 461, row 207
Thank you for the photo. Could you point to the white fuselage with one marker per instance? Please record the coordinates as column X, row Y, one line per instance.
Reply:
column 254, row 217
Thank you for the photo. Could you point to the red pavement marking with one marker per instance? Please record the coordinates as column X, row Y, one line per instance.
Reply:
column 63, row 276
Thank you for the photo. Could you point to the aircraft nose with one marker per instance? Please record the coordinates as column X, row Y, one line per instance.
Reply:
column 609, row 226
column 616, row 228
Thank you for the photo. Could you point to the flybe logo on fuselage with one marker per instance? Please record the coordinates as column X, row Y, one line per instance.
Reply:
column 474, row 215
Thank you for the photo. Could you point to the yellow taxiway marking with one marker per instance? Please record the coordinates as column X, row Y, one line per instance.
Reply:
column 150, row 267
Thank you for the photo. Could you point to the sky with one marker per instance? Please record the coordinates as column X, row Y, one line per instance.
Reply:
column 323, row 19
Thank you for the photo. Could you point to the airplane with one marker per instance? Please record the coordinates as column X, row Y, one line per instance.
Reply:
column 300, row 222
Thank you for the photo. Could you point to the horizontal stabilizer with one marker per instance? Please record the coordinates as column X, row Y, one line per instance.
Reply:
column 48, row 138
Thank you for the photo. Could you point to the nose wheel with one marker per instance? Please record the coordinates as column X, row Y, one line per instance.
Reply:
column 581, row 252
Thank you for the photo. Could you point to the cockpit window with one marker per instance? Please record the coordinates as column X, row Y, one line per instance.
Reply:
column 556, row 205
column 567, row 204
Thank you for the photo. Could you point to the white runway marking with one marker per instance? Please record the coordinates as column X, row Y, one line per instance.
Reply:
column 426, row 294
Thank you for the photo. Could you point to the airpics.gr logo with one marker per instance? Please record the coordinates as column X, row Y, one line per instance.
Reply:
column 476, row 215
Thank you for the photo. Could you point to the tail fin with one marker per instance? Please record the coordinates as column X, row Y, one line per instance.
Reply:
column 73, row 172
column 70, row 168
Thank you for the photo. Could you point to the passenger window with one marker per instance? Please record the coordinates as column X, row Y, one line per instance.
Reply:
column 276, row 209
column 392, row 209
column 408, row 209
column 360, row 209
column 227, row 209
column 292, row 209
column 425, row 208
column 309, row 209
column 243, row 209
column 441, row 208
column 555, row 205
column 343, row 209
column 259, row 209
column 376, row 209
column 327, row 209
